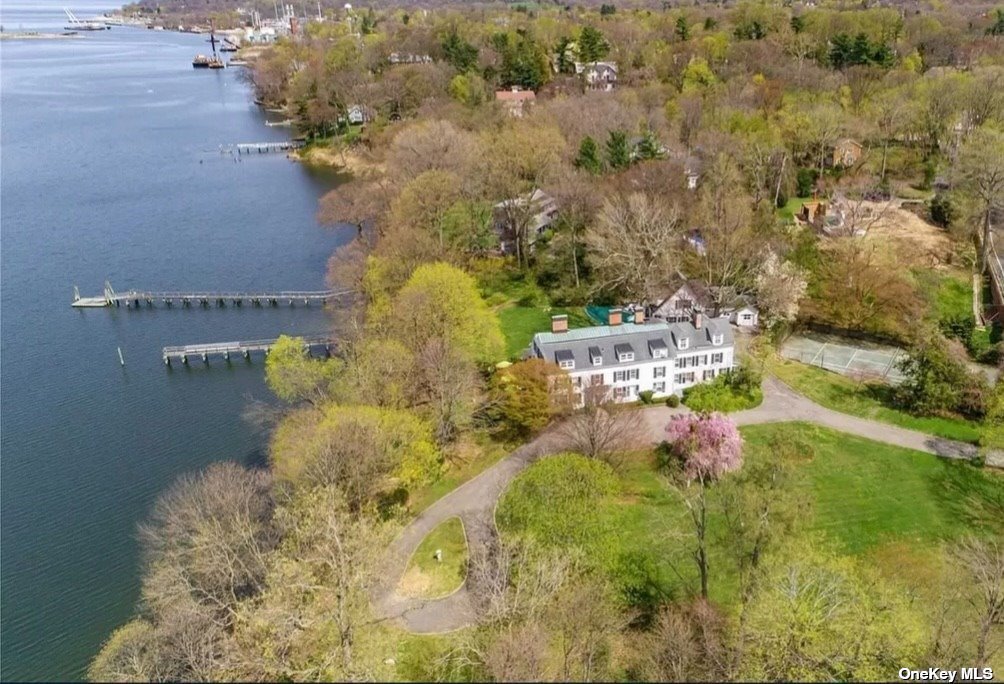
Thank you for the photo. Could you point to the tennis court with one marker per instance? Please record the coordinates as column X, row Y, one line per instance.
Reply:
column 860, row 359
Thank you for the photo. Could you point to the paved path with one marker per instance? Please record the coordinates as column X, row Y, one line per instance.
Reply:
column 474, row 501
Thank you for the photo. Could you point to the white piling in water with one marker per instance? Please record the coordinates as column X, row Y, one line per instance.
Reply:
column 121, row 360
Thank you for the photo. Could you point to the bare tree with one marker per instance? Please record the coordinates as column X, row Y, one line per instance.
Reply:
column 634, row 246
column 448, row 386
column 688, row 643
column 585, row 620
column 602, row 428
column 207, row 539
column 983, row 560
column 981, row 176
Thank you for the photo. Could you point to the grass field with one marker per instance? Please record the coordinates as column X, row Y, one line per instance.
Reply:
column 791, row 208
column 864, row 498
column 865, row 400
column 520, row 323
column 427, row 577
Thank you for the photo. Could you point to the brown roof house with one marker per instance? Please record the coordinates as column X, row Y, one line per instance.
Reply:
column 516, row 101
column 846, row 152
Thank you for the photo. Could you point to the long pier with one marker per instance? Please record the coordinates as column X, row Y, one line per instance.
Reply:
column 206, row 299
column 226, row 350
column 262, row 147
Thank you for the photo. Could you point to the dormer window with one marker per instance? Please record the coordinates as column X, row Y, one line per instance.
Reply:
column 625, row 352
column 683, row 343
column 565, row 359
column 595, row 356
column 717, row 339
column 658, row 349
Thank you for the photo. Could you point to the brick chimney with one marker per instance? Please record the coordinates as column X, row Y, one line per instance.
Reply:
column 614, row 317
column 559, row 324
column 698, row 319
column 639, row 315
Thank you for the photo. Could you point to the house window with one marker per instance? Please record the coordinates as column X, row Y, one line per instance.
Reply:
column 717, row 358
column 684, row 378
column 717, row 339
column 660, row 353
column 746, row 317
column 709, row 375
column 596, row 379
column 683, row 343
column 632, row 374
column 659, row 387
column 659, row 372
column 619, row 392
column 567, row 365
column 597, row 360
column 625, row 356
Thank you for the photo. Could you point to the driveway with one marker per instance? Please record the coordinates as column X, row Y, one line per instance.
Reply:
column 474, row 501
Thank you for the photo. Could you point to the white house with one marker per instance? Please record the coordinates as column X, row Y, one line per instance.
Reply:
column 598, row 75
column 630, row 358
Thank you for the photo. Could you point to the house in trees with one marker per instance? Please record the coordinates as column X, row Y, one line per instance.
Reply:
column 598, row 75
column 533, row 213
column 846, row 152
column 516, row 101
column 620, row 360
column 408, row 58
column 687, row 296
column 827, row 217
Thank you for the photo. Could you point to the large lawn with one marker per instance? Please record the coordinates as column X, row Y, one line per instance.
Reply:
column 520, row 323
column 864, row 497
column 865, row 400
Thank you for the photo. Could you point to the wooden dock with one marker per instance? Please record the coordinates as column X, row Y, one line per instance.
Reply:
column 206, row 299
column 226, row 350
column 262, row 147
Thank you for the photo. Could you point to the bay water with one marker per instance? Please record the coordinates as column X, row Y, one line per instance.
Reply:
column 110, row 169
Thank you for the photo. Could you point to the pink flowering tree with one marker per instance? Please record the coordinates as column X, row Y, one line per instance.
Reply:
column 698, row 451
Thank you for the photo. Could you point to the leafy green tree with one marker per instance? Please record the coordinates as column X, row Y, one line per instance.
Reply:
column 992, row 430
column 820, row 618
column 459, row 53
column 936, row 382
column 294, row 376
column 593, row 47
column 524, row 61
column 441, row 301
column 682, row 28
column 698, row 76
column 943, row 211
column 528, row 394
column 588, row 158
column 361, row 450
column 618, row 151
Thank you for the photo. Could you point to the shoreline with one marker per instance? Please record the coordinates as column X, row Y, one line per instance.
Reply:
column 38, row 35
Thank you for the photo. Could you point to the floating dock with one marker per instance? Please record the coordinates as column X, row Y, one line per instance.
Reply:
column 205, row 299
column 245, row 349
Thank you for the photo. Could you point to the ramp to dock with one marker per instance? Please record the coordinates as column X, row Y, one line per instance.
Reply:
column 245, row 348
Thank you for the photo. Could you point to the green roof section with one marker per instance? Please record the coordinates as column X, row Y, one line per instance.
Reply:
column 598, row 331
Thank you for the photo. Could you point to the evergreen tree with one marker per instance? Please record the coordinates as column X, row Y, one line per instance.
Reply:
column 592, row 45
column 588, row 158
column 648, row 148
column 565, row 60
column 459, row 53
column 797, row 23
column 682, row 28
column 618, row 154
column 997, row 28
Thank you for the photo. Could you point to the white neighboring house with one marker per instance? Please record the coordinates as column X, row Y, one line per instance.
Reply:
column 538, row 210
column 630, row 358
column 598, row 75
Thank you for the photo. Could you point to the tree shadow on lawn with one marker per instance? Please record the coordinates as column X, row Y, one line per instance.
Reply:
column 974, row 496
